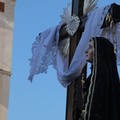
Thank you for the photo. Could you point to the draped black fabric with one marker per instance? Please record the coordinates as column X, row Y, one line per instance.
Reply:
column 103, row 98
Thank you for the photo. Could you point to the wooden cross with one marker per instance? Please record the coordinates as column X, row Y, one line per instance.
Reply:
column 2, row 6
column 74, row 90
column 74, row 99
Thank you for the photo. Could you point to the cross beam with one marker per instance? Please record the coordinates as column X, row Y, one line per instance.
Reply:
column 114, row 11
column 74, row 99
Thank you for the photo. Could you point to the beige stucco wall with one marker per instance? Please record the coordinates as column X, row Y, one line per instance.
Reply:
column 5, row 47
column 4, row 94
column 4, row 88
column 6, row 35
column 3, row 113
column 2, row 0
column 6, row 38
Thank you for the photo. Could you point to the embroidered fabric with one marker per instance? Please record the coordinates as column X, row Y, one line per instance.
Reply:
column 45, row 50
column 71, row 22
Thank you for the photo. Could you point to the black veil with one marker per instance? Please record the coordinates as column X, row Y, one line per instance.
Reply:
column 103, row 99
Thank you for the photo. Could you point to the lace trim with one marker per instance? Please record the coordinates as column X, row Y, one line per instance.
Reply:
column 43, row 54
column 45, row 59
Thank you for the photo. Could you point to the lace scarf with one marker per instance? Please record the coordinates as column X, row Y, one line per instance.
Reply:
column 45, row 49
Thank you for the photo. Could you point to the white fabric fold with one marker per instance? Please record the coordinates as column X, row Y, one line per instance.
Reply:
column 45, row 50
column 92, row 29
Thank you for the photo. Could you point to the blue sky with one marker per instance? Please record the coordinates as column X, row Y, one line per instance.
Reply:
column 45, row 98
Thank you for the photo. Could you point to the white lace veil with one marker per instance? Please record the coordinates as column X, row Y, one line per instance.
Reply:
column 45, row 50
